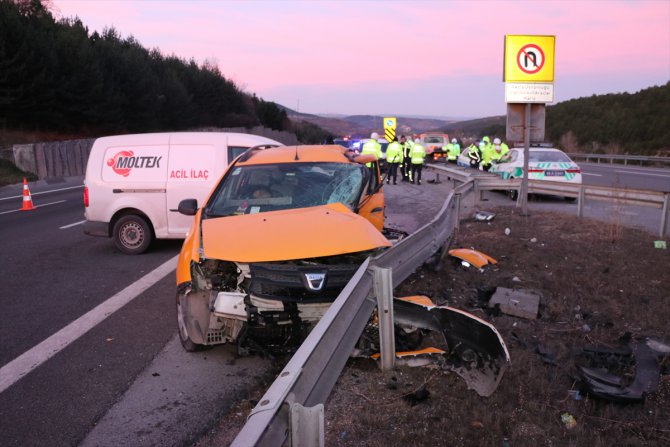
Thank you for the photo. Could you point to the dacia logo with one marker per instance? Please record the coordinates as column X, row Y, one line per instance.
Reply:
column 315, row 281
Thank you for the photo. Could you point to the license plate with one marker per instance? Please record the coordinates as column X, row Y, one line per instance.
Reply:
column 554, row 173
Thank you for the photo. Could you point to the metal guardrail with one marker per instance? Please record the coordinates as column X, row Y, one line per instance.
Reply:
column 490, row 182
column 310, row 375
column 620, row 158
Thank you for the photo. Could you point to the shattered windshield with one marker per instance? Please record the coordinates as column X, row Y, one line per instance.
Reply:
column 262, row 188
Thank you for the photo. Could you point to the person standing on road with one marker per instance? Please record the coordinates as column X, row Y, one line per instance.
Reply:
column 394, row 157
column 474, row 154
column 417, row 158
column 453, row 150
column 372, row 146
column 406, row 158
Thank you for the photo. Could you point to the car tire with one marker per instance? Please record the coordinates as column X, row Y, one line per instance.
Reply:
column 513, row 194
column 132, row 234
column 186, row 342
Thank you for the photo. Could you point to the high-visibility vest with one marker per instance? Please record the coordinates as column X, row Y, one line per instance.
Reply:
column 487, row 154
column 372, row 147
column 499, row 151
column 474, row 153
column 453, row 150
column 407, row 149
column 418, row 154
column 394, row 152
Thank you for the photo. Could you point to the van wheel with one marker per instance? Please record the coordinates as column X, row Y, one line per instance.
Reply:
column 132, row 235
column 184, row 338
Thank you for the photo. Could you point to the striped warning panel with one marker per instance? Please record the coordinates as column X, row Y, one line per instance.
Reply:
column 389, row 134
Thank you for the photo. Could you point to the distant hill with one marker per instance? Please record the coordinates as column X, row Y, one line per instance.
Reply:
column 491, row 126
column 363, row 125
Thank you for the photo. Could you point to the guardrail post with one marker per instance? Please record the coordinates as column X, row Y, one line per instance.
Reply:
column 307, row 426
column 664, row 216
column 383, row 288
column 457, row 207
column 580, row 202
column 476, row 193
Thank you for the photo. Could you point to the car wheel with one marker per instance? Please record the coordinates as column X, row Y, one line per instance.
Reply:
column 513, row 194
column 182, row 329
column 132, row 234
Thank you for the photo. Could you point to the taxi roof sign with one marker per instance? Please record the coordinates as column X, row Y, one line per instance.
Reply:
column 529, row 58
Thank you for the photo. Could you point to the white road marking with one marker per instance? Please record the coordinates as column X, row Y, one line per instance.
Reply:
column 42, row 192
column 36, row 206
column 643, row 173
column 31, row 359
column 588, row 173
column 72, row 225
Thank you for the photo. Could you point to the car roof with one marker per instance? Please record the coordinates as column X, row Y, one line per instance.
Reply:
column 304, row 154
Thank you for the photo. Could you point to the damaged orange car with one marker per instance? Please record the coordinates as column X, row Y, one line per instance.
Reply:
column 278, row 238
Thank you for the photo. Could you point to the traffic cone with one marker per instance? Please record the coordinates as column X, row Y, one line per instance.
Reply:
column 27, row 200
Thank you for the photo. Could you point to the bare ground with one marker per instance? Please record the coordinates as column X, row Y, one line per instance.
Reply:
column 600, row 284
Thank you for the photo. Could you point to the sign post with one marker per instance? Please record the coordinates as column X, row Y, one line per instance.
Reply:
column 528, row 74
column 389, row 128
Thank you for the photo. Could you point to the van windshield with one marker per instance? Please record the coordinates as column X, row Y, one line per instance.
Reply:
column 262, row 188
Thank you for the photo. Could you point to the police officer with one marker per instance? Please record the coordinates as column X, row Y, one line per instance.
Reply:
column 487, row 150
column 474, row 154
column 406, row 158
column 453, row 150
column 500, row 149
column 418, row 156
column 372, row 146
column 394, row 157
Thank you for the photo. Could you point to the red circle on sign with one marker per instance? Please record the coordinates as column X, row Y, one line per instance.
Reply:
column 528, row 55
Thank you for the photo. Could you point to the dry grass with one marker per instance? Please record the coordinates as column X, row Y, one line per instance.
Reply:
column 607, row 277
column 614, row 285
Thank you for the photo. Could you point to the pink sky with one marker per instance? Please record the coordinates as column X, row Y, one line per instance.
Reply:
column 440, row 58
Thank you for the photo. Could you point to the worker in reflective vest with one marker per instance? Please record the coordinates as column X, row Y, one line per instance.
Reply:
column 453, row 150
column 500, row 150
column 418, row 157
column 406, row 158
column 474, row 154
column 487, row 150
column 372, row 146
column 394, row 158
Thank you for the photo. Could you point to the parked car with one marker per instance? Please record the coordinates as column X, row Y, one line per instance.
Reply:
column 279, row 237
column 546, row 164
column 134, row 183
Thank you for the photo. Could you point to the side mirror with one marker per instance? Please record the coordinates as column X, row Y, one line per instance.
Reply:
column 188, row 207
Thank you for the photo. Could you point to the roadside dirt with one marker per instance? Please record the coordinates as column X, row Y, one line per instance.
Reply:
column 600, row 284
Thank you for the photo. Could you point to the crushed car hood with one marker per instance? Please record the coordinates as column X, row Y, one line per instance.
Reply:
column 301, row 233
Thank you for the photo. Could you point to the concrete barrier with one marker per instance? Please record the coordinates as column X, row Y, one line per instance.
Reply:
column 69, row 157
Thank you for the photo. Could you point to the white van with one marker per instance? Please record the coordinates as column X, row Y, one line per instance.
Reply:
column 134, row 183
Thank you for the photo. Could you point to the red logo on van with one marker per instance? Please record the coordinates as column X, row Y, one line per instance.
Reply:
column 124, row 161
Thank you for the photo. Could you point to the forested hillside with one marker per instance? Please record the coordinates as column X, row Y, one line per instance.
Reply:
column 634, row 123
column 57, row 77
column 623, row 122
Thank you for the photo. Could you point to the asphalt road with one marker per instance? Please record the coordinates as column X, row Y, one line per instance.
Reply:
column 629, row 177
column 126, row 381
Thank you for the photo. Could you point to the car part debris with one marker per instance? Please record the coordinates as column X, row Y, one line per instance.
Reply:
column 474, row 257
column 568, row 420
column 660, row 244
column 473, row 348
column 484, row 216
column 608, row 371
column 519, row 303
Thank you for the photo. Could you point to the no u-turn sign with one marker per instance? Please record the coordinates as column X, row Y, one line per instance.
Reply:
column 529, row 58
